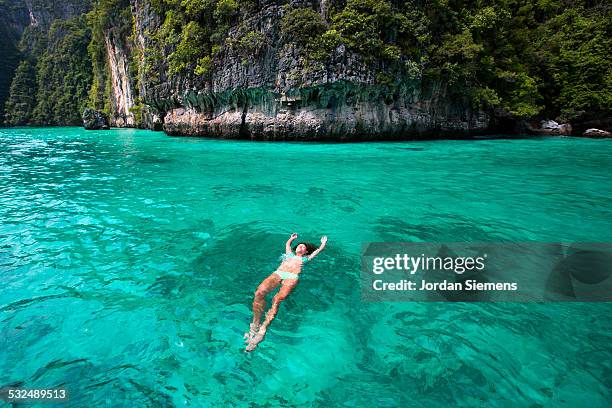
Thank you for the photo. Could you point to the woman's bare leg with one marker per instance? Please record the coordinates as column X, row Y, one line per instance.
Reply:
column 259, row 301
column 282, row 294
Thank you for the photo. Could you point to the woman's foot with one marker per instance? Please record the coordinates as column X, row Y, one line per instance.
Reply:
column 253, row 329
column 255, row 340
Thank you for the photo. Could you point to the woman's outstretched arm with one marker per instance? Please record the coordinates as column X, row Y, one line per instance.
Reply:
column 289, row 241
column 319, row 249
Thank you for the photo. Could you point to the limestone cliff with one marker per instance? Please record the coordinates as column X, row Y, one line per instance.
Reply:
column 273, row 91
column 42, row 13
column 122, row 87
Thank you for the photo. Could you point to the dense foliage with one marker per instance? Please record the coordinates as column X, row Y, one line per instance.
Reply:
column 528, row 58
column 520, row 58
column 63, row 74
column 10, row 54
column 51, row 84
column 22, row 100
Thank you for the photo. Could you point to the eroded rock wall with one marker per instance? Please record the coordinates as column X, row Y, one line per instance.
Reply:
column 121, row 84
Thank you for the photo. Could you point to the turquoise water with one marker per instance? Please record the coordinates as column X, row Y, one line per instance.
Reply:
column 128, row 260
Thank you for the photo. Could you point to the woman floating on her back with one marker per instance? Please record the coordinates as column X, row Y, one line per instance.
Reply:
column 287, row 276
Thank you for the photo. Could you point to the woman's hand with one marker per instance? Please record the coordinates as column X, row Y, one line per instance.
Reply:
column 319, row 249
column 288, row 249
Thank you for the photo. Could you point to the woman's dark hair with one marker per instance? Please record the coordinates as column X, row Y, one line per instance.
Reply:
column 310, row 247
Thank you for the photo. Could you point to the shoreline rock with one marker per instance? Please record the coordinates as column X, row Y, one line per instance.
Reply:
column 94, row 120
column 325, row 113
column 596, row 133
column 550, row 128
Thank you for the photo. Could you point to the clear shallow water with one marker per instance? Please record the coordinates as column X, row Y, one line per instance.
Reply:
column 128, row 260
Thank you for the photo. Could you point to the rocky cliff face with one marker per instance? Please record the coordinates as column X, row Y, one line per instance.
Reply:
column 121, row 84
column 124, row 35
column 42, row 12
column 274, row 92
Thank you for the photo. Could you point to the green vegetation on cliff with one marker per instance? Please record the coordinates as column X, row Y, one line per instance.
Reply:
column 64, row 74
column 22, row 100
column 11, row 57
column 51, row 84
column 526, row 57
